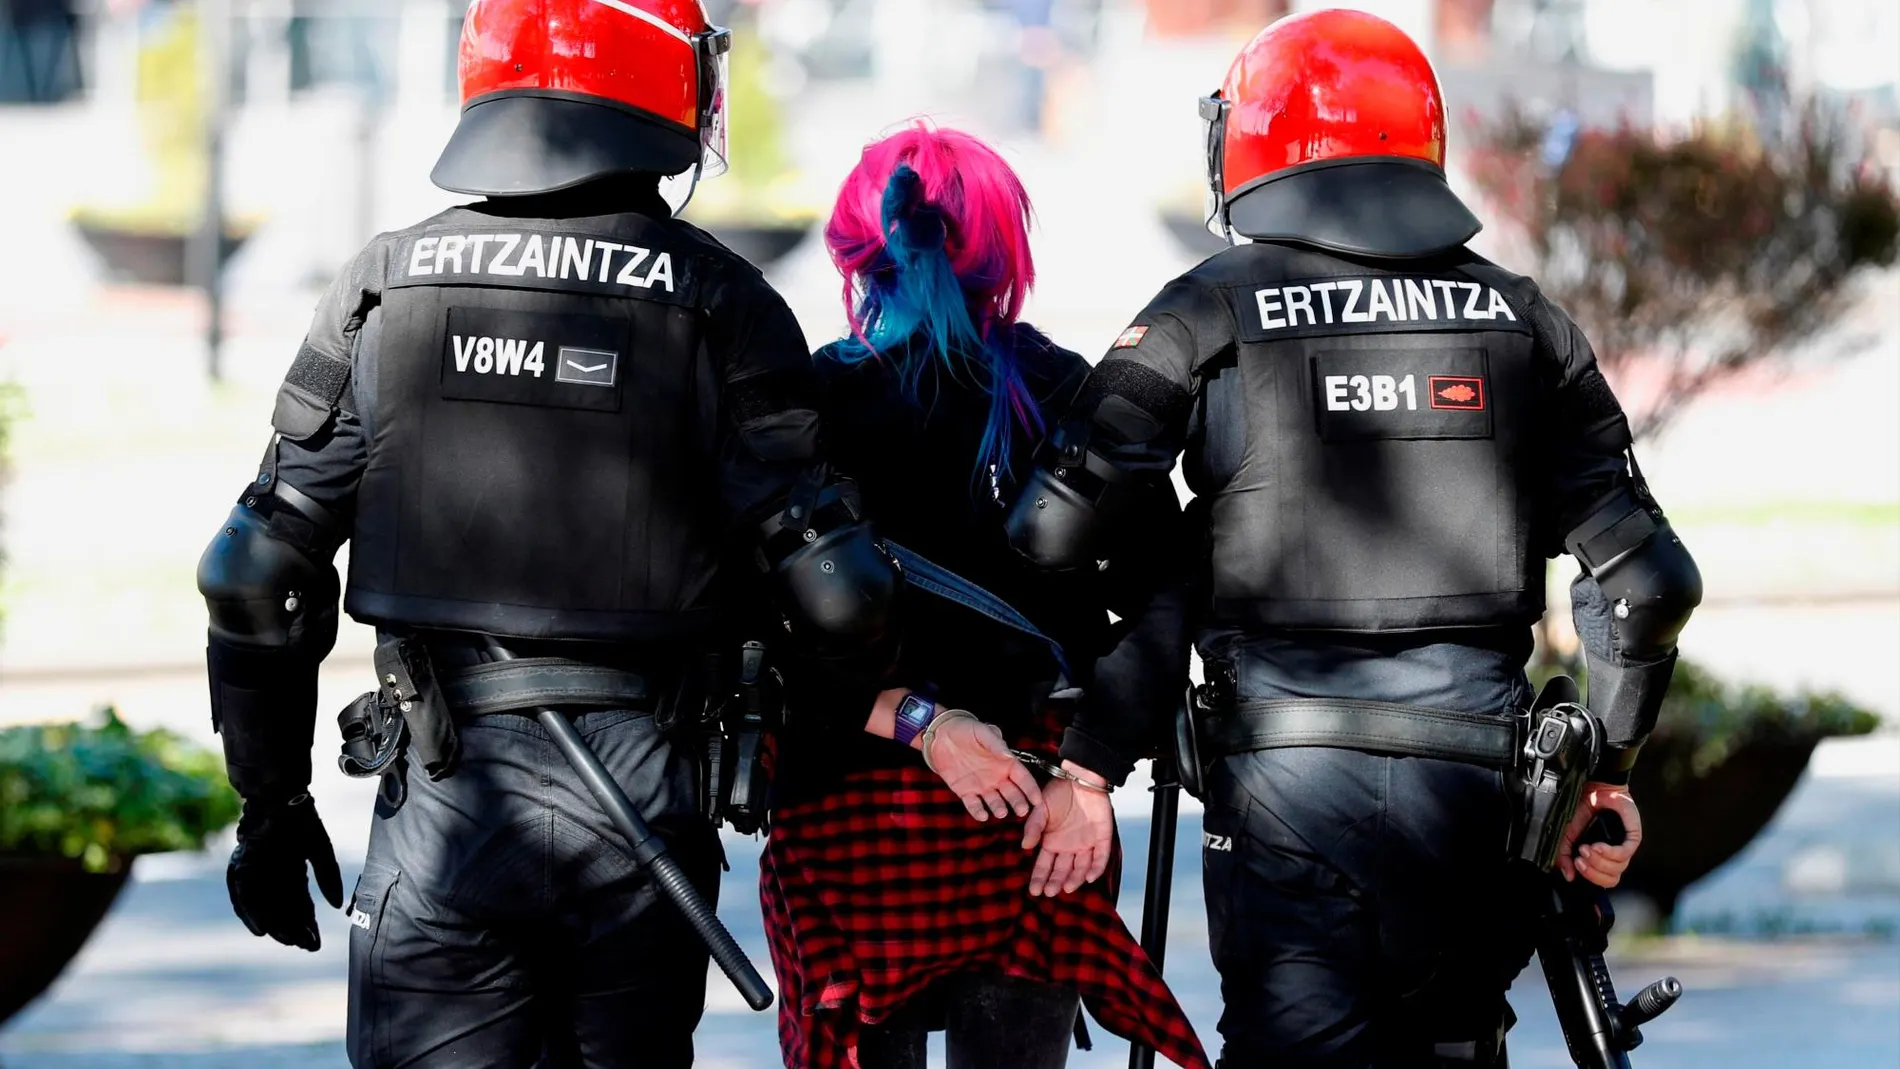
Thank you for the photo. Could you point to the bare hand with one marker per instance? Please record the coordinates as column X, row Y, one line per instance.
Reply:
column 1075, row 828
column 1600, row 863
column 976, row 764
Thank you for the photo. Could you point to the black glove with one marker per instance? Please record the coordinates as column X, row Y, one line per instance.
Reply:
column 269, row 891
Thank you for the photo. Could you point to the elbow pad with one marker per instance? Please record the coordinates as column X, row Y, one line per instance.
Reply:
column 1646, row 574
column 272, row 597
column 267, row 579
column 1061, row 518
column 1641, row 588
column 837, row 586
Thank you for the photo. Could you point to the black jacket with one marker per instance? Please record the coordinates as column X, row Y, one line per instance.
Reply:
column 766, row 424
column 1152, row 401
column 916, row 464
column 769, row 429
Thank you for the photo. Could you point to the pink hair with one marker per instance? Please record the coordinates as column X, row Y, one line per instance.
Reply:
column 986, row 215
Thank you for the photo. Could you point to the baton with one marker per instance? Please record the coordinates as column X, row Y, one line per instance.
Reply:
column 1160, row 889
column 649, row 852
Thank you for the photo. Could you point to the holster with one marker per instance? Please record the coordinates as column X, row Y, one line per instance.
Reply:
column 1192, row 761
column 408, row 684
column 740, row 779
column 1562, row 744
column 374, row 736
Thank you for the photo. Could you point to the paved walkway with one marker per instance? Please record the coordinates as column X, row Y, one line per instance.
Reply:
column 172, row 980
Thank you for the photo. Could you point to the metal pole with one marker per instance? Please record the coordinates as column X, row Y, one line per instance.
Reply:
column 1160, row 890
column 649, row 852
column 214, row 29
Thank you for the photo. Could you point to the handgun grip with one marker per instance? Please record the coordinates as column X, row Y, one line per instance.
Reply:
column 1605, row 827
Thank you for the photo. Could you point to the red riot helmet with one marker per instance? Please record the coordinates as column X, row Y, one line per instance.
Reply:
column 559, row 92
column 1330, row 132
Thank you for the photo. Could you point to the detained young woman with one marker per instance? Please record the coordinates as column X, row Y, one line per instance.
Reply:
column 918, row 875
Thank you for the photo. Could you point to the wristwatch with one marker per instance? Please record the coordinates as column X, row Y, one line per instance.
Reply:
column 914, row 714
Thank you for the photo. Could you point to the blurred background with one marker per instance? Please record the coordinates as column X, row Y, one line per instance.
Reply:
column 1707, row 184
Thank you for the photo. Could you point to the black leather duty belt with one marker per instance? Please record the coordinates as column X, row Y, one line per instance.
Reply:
column 1401, row 730
column 529, row 682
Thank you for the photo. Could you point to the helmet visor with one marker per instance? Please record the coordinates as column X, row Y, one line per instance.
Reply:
column 714, row 47
column 1213, row 141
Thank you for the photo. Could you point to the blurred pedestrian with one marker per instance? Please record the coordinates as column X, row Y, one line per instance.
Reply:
column 1387, row 436
column 899, row 897
column 546, row 418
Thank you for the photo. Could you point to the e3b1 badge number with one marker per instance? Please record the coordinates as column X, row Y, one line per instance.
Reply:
column 1366, row 396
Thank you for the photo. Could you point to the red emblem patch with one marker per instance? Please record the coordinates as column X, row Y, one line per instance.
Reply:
column 1457, row 393
column 1131, row 337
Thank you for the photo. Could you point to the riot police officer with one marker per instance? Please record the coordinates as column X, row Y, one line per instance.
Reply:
column 1387, row 436
column 552, row 418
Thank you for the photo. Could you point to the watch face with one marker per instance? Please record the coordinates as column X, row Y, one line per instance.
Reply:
column 913, row 715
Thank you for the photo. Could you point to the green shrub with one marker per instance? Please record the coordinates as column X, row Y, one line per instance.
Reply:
column 1708, row 720
column 103, row 793
column 1721, row 718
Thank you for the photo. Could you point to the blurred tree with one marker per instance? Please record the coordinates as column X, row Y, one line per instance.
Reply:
column 1691, row 259
column 171, row 110
column 760, row 208
column 755, row 128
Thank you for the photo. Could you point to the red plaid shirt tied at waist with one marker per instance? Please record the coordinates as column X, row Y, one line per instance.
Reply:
column 886, row 885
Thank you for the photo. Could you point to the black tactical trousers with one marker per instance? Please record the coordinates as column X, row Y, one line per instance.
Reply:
column 1360, row 910
column 500, row 925
column 990, row 1021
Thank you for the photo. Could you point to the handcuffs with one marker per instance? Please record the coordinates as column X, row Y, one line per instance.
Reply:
column 1058, row 772
column 1029, row 760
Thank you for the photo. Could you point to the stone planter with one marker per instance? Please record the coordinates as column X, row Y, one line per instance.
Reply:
column 48, row 909
column 1722, row 760
column 151, row 257
column 1693, row 825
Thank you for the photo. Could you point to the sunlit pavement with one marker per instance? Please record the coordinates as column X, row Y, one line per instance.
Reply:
column 173, row 980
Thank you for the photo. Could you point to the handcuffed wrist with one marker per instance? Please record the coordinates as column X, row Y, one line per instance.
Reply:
column 1087, row 776
column 936, row 725
column 1097, row 756
column 1067, row 770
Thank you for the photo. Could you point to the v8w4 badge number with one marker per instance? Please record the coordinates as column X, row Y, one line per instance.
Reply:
column 506, row 356
column 499, row 356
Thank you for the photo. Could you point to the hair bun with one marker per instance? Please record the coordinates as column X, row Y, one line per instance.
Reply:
column 912, row 225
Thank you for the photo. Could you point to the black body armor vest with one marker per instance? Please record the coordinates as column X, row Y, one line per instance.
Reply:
column 542, row 460
column 1372, row 435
